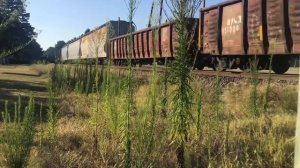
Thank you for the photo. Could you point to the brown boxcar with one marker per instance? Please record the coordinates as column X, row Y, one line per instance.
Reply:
column 165, row 40
column 210, row 31
column 294, row 18
column 233, row 31
column 253, row 27
column 142, row 46
column 277, row 27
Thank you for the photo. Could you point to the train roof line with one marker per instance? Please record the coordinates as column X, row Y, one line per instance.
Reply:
column 92, row 31
column 226, row 3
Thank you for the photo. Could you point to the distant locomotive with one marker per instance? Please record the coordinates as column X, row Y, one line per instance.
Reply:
column 229, row 35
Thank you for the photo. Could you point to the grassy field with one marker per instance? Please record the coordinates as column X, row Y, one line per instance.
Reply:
column 23, row 80
column 234, row 124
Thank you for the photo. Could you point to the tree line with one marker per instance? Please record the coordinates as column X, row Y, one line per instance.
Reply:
column 17, row 36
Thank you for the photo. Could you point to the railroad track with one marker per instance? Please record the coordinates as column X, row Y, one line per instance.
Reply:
column 292, row 78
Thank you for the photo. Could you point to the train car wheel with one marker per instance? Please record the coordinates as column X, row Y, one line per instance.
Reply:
column 280, row 64
column 200, row 67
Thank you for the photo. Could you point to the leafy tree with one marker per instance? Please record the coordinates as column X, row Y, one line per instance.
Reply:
column 53, row 54
column 29, row 54
column 58, row 46
column 16, row 33
column 87, row 31
column 49, row 54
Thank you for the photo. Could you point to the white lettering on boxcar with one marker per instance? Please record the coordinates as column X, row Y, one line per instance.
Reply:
column 233, row 25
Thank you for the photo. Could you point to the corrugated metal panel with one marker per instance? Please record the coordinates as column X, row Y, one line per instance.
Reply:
column 135, row 46
column 126, row 48
column 210, row 31
column 294, row 15
column 165, row 40
column 114, row 49
column 146, row 44
column 141, row 45
column 276, row 27
column 74, row 50
column 64, row 53
column 232, row 29
column 255, row 27
column 174, row 41
column 94, row 44
column 151, row 40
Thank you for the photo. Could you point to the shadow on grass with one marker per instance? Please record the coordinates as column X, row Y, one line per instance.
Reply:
column 18, row 85
column 22, row 74
column 9, row 90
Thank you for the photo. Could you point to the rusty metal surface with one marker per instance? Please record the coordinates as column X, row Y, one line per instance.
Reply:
column 165, row 41
column 141, row 45
column 122, row 48
column 154, row 39
column 294, row 17
column 135, row 46
column 174, row 42
column 210, row 31
column 93, row 45
column 276, row 27
column 255, row 27
column 64, row 53
column 232, row 30
column 145, row 44
column 150, row 43
column 74, row 50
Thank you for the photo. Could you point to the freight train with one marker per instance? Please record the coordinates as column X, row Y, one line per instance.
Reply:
column 229, row 35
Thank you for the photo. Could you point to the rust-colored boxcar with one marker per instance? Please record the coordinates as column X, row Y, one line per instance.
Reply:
column 251, row 27
column 255, row 27
column 165, row 40
column 294, row 18
column 232, row 32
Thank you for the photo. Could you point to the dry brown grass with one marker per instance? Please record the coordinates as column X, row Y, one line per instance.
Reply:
column 264, row 141
column 273, row 131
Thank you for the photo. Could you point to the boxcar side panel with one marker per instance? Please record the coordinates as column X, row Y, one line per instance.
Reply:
column 154, row 38
column 146, row 44
column 210, row 31
column 74, row 50
column 165, row 41
column 96, row 41
column 232, row 29
column 294, row 17
column 135, row 46
column 276, row 27
column 64, row 53
column 141, row 45
column 174, row 41
column 255, row 27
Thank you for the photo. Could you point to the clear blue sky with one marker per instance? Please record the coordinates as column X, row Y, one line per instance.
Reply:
column 65, row 19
